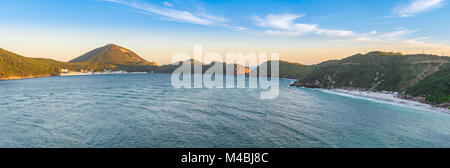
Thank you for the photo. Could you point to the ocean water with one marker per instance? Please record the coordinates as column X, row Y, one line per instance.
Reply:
column 143, row 110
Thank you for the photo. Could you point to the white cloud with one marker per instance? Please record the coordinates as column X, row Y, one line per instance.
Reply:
column 284, row 25
column 283, row 21
column 336, row 33
column 171, row 14
column 398, row 36
column 168, row 4
column 242, row 28
column 211, row 17
column 418, row 6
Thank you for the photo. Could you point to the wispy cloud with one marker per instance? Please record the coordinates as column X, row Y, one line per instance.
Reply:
column 284, row 25
column 282, row 21
column 170, row 13
column 374, row 36
column 168, row 4
column 417, row 6
column 214, row 18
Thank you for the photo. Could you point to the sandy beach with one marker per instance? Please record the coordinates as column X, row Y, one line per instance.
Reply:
column 385, row 97
column 16, row 78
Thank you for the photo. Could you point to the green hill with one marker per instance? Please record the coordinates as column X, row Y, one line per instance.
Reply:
column 286, row 70
column 16, row 66
column 113, row 55
column 382, row 71
column 434, row 88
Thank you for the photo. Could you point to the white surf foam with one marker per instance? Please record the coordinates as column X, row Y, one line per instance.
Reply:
column 389, row 98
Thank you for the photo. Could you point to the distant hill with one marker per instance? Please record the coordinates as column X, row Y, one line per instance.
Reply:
column 412, row 75
column 14, row 66
column 287, row 70
column 238, row 69
column 114, row 55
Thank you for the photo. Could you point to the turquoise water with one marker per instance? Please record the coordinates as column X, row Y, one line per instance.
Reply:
column 143, row 110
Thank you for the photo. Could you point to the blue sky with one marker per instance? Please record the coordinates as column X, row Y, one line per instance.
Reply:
column 304, row 31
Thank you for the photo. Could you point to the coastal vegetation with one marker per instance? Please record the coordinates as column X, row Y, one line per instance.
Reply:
column 286, row 70
column 434, row 88
column 15, row 66
column 420, row 77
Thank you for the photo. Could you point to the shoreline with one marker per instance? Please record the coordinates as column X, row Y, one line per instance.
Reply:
column 18, row 78
column 390, row 98
column 73, row 74
column 99, row 73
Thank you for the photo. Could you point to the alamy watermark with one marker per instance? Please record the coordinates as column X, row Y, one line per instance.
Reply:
column 192, row 73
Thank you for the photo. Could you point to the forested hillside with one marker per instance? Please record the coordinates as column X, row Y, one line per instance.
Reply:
column 16, row 66
column 410, row 75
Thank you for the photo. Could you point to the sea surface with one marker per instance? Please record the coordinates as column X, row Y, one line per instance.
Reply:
column 144, row 110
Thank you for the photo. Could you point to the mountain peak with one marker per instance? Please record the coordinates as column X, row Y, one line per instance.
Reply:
column 113, row 46
column 112, row 54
